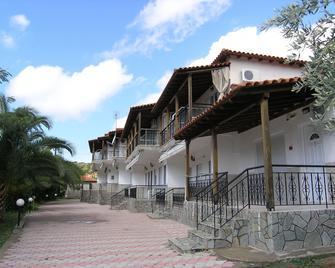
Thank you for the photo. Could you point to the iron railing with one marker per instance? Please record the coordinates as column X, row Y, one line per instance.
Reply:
column 181, row 116
column 146, row 136
column 293, row 185
column 117, row 197
column 198, row 183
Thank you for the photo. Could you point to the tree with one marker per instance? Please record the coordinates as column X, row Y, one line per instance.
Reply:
column 310, row 24
column 28, row 165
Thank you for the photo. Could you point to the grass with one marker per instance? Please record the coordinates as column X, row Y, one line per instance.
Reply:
column 7, row 225
column 310, row 262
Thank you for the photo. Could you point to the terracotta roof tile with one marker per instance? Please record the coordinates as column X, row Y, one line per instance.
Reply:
column 234, row 89
column 227, row 52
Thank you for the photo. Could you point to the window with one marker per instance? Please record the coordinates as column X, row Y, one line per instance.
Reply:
column 164, row 175
column 314, row 136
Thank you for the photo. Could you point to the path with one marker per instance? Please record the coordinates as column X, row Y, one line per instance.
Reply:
column 73, row 234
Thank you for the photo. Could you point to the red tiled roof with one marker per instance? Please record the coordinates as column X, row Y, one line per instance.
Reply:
column 225, row 53
column 178, row 77
column 133, row 111
column 88, row 178
column 234, row 89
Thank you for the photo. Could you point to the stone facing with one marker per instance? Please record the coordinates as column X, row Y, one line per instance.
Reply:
column 291, row 230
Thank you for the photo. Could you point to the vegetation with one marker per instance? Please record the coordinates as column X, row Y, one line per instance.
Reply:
column 310, row 24
column 31, row 162
column 7, row 226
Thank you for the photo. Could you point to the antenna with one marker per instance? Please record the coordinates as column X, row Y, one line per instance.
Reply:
column 116, row 115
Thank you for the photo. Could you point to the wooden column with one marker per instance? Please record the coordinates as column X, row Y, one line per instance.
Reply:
column 266, row 139
column 187, row 169
column 176, row 106
column 190, row 100
column 139, row 127
column 215, row 161
column 93, row 149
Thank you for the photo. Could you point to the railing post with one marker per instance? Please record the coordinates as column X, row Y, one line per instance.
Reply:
column 215, row 164
column 248, row 189
column 325, row 185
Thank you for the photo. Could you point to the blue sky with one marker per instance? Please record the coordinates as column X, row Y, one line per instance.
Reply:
column 79, row 61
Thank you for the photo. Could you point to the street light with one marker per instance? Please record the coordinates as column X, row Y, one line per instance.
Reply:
column 19, row 204
column 56, row 195
column 30, row 199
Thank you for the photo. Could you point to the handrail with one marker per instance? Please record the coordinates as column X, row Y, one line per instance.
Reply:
column 210, row 186
column 291, row 187
column 118, row 194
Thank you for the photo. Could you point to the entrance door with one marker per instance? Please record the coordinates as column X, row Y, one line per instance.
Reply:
column 313, row 145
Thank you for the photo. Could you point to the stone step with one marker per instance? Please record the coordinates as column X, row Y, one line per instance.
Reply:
column 185, row 245
column 208, row 241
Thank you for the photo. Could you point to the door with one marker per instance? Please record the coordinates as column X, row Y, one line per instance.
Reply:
column 313, row 146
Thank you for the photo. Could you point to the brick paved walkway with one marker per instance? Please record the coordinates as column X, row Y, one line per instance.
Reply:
column 73, row 234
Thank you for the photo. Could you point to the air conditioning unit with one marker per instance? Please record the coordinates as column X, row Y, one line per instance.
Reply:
column 249, row 75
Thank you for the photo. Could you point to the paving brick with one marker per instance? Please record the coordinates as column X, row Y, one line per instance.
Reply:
column 73, row 234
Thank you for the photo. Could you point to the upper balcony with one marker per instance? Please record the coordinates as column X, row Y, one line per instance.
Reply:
column 145, row 137
column 109, row 153
column 180, row 119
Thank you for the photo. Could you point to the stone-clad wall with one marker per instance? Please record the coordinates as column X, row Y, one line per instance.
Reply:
column 291, row 230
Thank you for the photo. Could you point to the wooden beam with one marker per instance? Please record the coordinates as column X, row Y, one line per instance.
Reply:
column 190, row 99
column 176, row 108
column 139, row 126
column 266, row 139
column 215, row 164
column 187, row 169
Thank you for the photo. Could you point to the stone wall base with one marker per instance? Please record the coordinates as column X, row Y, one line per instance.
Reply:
column 284, row 231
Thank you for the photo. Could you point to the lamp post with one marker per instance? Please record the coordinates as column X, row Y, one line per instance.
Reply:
column 30, row 200
column 19, row 204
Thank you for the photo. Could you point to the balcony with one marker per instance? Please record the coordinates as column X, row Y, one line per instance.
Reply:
column 118, row 152
column 110, row 153
column 147, row 137
column 181, row 116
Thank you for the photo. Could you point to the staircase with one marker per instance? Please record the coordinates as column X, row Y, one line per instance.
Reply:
column 222, row 220
column 219, row 220
column 119, row 201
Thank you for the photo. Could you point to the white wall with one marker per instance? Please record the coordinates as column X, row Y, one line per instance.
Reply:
column 238, row 151
column 137, row 175
column 124, row 176
column 176, row 171
column 264, row 70
column 112, row 175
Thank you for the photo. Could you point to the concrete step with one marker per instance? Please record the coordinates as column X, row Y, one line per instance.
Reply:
column 185, row 245
column 156, row 216
column 208, row 241
column 120, row 206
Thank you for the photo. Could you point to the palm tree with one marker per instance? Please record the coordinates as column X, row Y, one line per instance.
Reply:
column 27, row 163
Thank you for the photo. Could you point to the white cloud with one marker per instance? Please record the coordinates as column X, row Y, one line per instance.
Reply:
column 68, row 96
column 19, row 22
column 7, row 40
column 248, row 39
column 162, row 22
column 161, row 83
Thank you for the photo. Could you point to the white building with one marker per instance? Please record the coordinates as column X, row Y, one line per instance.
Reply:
column 225, row 137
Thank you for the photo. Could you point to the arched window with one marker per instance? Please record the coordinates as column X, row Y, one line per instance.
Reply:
column 314, row 137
